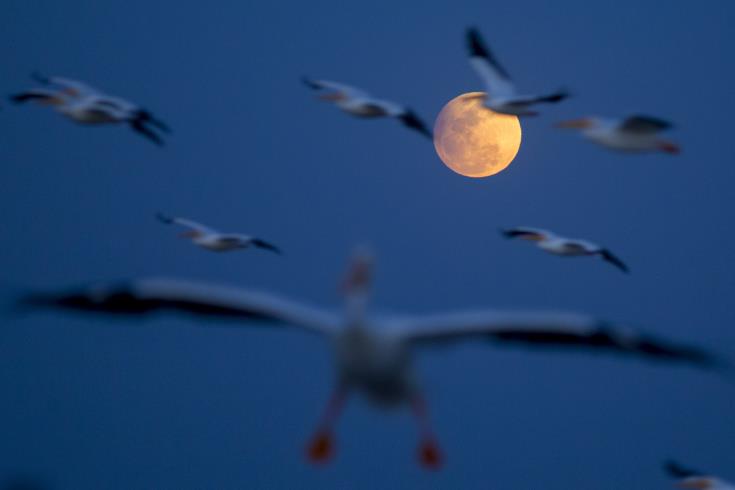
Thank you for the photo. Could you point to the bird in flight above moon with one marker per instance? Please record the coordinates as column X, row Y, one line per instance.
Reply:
column 501, row 94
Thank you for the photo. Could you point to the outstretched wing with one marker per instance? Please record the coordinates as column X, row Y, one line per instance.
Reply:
column 678, row 471
column 148, row 296
column 171, row 220
column 411, row 120
column 551, row 329
column 349, row 91
column 266, row 245
column 496, row 79
column 71, row 87
column 644, row 124
column 607, row 256
column 526, row 232
column 40, row 94
column 140, row 128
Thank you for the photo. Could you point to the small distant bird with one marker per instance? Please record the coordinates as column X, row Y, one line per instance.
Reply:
column 567, row 247
column 373, row 354
column 210, row 239
column 634, row 134
column 689, row 478
column 501, row 93
column 361, row 104
column 86, row 105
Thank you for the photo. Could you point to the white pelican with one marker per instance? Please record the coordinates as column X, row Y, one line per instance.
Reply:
column 214, row 240
column 688, row 478
column 501, row 93
column 361, row 104
column 372, row 354
column 566, row 247
column 86, row 105
column 634, row 134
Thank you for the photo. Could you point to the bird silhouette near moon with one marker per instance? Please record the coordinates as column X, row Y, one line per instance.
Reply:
column 473, row 140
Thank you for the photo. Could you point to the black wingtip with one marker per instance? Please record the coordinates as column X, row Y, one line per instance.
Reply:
column 608, row 256
column 674, row 469
column 163, row 218
column 147, row 116
column 475, row 43
column 267, row 246
column 559, row 95
column 138, row 125
column 411, row 120
column 309, row 82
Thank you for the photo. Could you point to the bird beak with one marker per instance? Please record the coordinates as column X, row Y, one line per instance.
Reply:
column 335, row 96
column 52, row 101
column 574, row 124
column 669, row 147
column 359, row 274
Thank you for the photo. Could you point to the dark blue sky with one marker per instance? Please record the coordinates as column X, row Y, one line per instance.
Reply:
column 92, row 403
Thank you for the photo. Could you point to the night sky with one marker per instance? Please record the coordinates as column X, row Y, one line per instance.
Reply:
column 104, row 403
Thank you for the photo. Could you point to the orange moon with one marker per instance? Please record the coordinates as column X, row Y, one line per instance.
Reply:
column 474, row 141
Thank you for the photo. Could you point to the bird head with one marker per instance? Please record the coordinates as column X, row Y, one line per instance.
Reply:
column 191, row 234
column 581, row 123
column 53, row 101
column 358, row 277
column 332, row 97
column 355, row 286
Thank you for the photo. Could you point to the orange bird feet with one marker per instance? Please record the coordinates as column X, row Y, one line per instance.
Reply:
column 668, row 147
column 321, row 448
column 430, row 455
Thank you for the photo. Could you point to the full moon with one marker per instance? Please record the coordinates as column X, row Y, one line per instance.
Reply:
column 474, row 141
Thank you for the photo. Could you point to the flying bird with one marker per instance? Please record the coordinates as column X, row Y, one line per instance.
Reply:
column 566, row 247
column 214, row 240
column 361, row 104
column 689, row 478
column 86, row 105
column 373, row 354
column 634, row 134
column 501, row 94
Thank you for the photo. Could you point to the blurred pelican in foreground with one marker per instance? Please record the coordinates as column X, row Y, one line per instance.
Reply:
column 372, row 354
column 688, row 478
column 86, row 105
column 501, row 94
column 361, row 104
column 565, row 247
column 634, row 134
column 214, row 240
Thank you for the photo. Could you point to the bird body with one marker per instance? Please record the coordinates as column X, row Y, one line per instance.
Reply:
column 635, row 134
column 566, row 247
